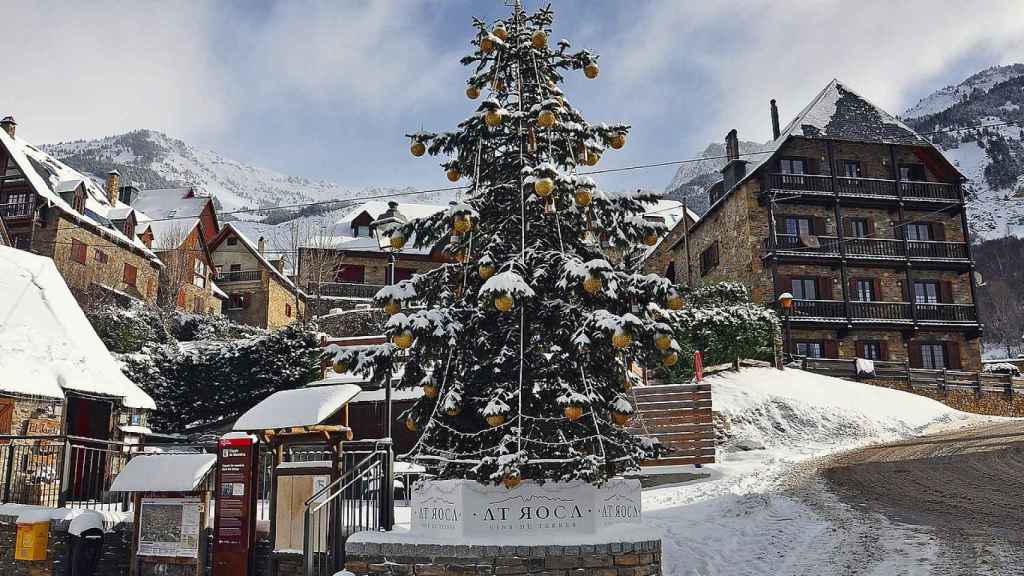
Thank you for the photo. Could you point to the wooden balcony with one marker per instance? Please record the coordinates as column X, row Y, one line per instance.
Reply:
column 18, row 211
column 345, row 290
column 239, row 276
column 868, row 248
column 821, row 184
column 883, row 312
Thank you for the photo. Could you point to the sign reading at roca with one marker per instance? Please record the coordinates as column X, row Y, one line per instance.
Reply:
column 456, row 508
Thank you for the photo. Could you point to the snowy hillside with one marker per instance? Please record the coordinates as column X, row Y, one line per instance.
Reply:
column 693, row 179
column 154, row 160
column 992, row 158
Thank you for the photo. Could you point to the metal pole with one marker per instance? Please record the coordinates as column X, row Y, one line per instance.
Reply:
column 789, row 338
column 391, row 370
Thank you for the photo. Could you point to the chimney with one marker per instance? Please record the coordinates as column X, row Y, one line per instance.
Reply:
column 775, row 121
column 261, row 246
column 9, row 125
column 734, row 169
column 279, row 264
column 113, row 186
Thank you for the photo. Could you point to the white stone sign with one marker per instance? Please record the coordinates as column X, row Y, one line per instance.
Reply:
column 457, row 508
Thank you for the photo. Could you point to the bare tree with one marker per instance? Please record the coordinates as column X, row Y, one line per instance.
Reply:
column 307, row 246
column 177, row 250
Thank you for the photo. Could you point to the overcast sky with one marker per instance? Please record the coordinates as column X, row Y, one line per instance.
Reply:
column 327, row 89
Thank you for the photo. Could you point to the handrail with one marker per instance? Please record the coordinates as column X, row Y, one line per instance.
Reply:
column 341, row 478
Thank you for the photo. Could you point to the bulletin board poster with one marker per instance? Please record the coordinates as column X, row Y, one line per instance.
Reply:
column 169, row 527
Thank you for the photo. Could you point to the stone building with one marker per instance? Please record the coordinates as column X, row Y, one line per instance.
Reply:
column 53, row 210
column 259, row 292
column 860, row 219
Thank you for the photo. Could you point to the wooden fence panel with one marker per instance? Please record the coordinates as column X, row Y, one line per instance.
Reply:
column 678, row 416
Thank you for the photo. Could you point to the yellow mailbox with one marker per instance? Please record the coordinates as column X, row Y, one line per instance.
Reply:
column 31, row 541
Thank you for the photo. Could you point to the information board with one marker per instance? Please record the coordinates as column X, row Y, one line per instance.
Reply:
column 169, row 527
column 234, row 528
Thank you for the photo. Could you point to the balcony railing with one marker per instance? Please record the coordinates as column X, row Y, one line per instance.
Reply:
column 345, row 289
column 17, row 210
column 884, row 311
column 871, row 247
column 861, row 187
column 239, row 276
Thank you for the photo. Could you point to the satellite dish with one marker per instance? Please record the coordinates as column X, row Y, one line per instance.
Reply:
column 978, row 279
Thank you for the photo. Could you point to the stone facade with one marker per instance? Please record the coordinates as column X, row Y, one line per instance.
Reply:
column 641, row 558
column 662, row 259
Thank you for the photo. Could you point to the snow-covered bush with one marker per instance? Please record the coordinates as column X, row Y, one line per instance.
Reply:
column 1002, row 368
column 125, row 330
column 186, row 327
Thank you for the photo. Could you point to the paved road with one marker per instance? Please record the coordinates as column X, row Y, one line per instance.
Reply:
column 965, row 488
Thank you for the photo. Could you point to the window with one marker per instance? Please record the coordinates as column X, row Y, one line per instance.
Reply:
column 404, row 274
column 199, row 273
column 793, row 166
column 871, row 350
column 864, row 290
column 236, row 267
column 810, row 349
column 232, row 241
column 912, row 172
column 100, row 256
column 804, row 288
column 933, row 356
column 78, row 251
column 850, row 168
column 926, row 292
column 799, row 225
column 857, row 228
column 129, row 275
column 356, row 230
column 709, row 258
column 288, row 310
column 236, row 301
column 16, row 205
column 350, row 273
column 921, row 231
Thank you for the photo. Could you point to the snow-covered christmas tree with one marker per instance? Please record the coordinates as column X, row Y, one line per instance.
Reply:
column 523, row 342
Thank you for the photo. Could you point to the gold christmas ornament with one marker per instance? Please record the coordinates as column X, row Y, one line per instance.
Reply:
column 662, row 341
column 593, row 158
column 573, row 412
column 674, row 302
column 430, row 391
column 651, row 239
column 593, row 284
column 402, row 340
column 472, row 92
column 462, row 224
column 499, row 85
column 546, row 118
column 539, row 40
column 495, row 420
column 486, row 45
column 392, row 307
column 617, row 141
column 398, row 240
column 591, row 70
column 583, row 197
column 453, row 175
column 500, row 32
column 503, row 302
column 418, row 149
column 511, row 481
column 492, row 118
column 620, row 419
column 621, row 339
column 543, row 186
column 486, row 271
column 453, row 411
column 410, row 424
column 669, row 360
column 340, row 366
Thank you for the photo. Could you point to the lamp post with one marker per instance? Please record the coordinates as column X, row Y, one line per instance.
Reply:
column 387, row 230
column 786, row 301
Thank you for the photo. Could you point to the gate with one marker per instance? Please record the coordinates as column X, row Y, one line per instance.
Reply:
column 679, row 416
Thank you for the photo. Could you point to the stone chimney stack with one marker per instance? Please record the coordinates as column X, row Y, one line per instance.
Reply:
column 9, row 125
column 261, row 246
column 734, row 169
column 775, row 121
column 113, row 186
column 732, row 146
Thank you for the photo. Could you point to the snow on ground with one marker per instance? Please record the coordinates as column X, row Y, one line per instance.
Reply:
column 757, row 513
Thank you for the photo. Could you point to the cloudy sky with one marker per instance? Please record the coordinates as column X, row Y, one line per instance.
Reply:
column 327, row 89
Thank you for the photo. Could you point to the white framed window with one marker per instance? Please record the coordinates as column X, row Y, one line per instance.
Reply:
column 199, row 270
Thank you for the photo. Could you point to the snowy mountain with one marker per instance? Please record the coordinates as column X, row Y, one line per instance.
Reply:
column 992, row 158
column 692, row 179
column 154, row 160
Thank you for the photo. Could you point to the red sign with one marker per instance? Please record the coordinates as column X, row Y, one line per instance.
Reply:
column 234, row 528
column 698, row 365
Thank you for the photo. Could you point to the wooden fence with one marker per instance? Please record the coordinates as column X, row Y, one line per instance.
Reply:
column 679, row 416
column 942, row 380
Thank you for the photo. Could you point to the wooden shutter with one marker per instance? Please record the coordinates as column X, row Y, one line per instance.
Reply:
column 848, row 227
column 780, row 224
column 818, row 226
column 883, row 350
column 854, row 293
column 877, row 285
column 914, row 351
column 871, row 227
column 859, row 346
column 812, row 165
column 907, row 291
column 946, row 292
column 831, row 349
column 938, row 230
column 6, row 415
column 953, row 355
column 181, row 298
column 785, row 284
column 824, row 288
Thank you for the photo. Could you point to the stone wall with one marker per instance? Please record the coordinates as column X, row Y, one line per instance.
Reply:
column 988, row 403
column 353, row 323
column 113, row 562
column 615, row 559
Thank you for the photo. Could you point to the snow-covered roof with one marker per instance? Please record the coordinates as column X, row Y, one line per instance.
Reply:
column 339, row 234
column 218, row 292
column 296, row 408
column 47, row 345
column 164, row 473
column 48, row 176
column 160, row 203
column 254, row 249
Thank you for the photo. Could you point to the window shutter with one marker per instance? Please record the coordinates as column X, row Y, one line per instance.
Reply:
column 906, row 291
column 938, row 230
column 871, row 227
column 860, row 348
column 953, row 355
column 877, row 282
column 914, row 351
column 818, row 225
column 6, row 415
column 181, row 297
column 883, row 349
column 946, row 292
column 831, row 349
column 854, row 293
column 812, row 165
column 785, row 284
column 824, row 288
column 848, row 228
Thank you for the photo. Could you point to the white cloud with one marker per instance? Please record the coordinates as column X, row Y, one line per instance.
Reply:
column 85, row 69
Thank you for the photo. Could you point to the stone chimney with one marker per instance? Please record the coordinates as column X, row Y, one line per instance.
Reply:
column 775, row 121
column 734, row 169
column 261, row 246
column 113, row 186
column 9, row 125
column 279, row 264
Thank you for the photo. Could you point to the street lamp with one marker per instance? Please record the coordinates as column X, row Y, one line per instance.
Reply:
column 387, row 229
column 786, row 301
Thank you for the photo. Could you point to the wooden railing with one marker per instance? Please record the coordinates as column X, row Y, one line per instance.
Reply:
column 944, row 380
column 880, row 310
column 239, row 276
column 346, row 289
column 875, row 247
column 815, row 183
column 870, row 310
column 946, row 313
column 871, row 247
column 943, row 250
column 17, row 210
column 930, row 190
column 819, row 308
column 872, row 187
column 865, row 187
